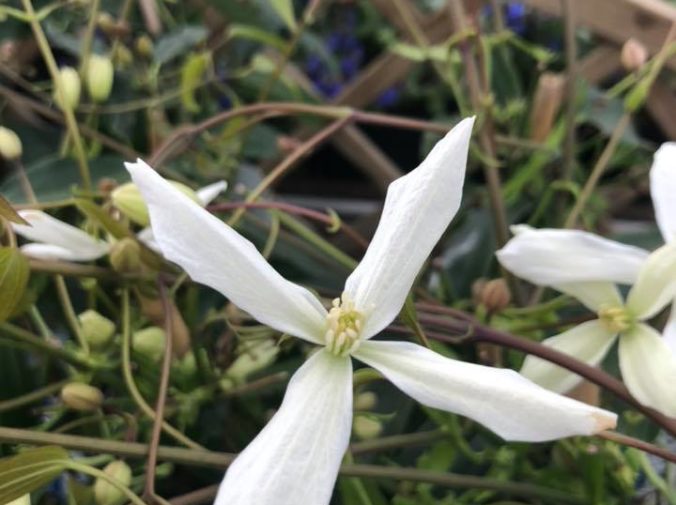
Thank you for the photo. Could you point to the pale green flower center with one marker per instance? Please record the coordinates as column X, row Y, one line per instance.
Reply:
column 343, row 327
column 615, row 318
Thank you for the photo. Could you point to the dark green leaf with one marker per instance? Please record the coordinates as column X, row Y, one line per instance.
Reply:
column 8, row 212
column 14, row 272
column 179, row 42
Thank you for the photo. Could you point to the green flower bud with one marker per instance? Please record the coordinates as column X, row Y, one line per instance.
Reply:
column 366, row 428
column 82, row 397
column 252, row 358
column 107, row 494
column 70, row 86
column 144, row 46
column 23, row 500
column 365, row 401
column 100, row 75
column 96, row 329
column 10, row 144
column 150, row 342
column 127, row 198
column 125, row 256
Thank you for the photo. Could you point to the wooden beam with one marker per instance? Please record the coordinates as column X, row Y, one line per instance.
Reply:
column 648, row 21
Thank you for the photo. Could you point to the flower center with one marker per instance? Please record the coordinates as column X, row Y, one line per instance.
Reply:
column 343, row 327
column 615, row 318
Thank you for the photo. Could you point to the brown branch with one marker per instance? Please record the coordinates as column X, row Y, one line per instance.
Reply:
column 326, row 219
column 151, row 465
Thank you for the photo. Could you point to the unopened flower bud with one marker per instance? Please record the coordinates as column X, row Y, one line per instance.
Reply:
column 69, row 83
column 150, row 342
column 494, row 295
column 82, row 397
column 144, row 46
column 366, row 428
column 125, row 256
column 122, row 56
column 128, row 199
column 634, row 55
column 96, row 329
column 365, row 401
column 252, row 358
column 10, row 144
column 100, row 75
column 107, row 494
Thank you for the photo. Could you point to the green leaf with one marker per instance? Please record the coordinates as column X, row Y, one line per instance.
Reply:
column 102, row 218
column 257, row 35
column 8, row 212
column 53, row 178
column 29, row 471
column 179, row 42
column 284, row 9
column 191, row 76
column 14, row 272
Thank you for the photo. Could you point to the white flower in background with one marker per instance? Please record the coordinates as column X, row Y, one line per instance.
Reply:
column 53, row 239
column 663, row 192
column 579, row 264
column 296, row 457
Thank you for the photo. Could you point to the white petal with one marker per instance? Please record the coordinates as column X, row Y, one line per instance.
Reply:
column 500, row 399
column 549, row 257
column 45, row 229
column 663, row 189
column 206, row 194
column 593, row 295
column 656, row 283
column 214, row 254
column 669, row 331
column 147, row 236
column 295, row 459
column 588, row 342
column 649, row 368
column 418, row 208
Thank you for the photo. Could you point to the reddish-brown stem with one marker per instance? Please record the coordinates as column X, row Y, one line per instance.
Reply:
column 353, row 234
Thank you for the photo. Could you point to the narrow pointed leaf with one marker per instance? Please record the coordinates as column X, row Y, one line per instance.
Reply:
column 14, row 273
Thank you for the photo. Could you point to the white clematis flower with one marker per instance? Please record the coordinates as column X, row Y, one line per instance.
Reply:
column 53, row 239
column 663, row 192
column 580, row 264
column 296, row 457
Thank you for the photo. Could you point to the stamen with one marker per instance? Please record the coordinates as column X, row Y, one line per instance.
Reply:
column 343, row 326
column 615, row 318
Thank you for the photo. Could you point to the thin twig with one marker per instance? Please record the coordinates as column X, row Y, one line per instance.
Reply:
column 328, row 220
column 151, row 464
column 282, row 168
column 619, row 438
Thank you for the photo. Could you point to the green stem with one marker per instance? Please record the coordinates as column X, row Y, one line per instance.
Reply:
column 34, row 342
column 71, row 122
column 131, row 385
column 31, row 397
column 598, row 170
column 69, row 312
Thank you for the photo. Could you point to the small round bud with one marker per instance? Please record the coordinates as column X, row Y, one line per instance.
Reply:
column 81, row 397
column 365, row 401
column 10, row 144
column 70, row 87
column 107, row 494
column 494, row 295
column 122, row 56
column 366, row 428
column 634, row 55
column 144, row 46
column 150, row 342
column 100, row 75
column 96, row 329
column 252, row 358
column 125, row 256
column 128, row 199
